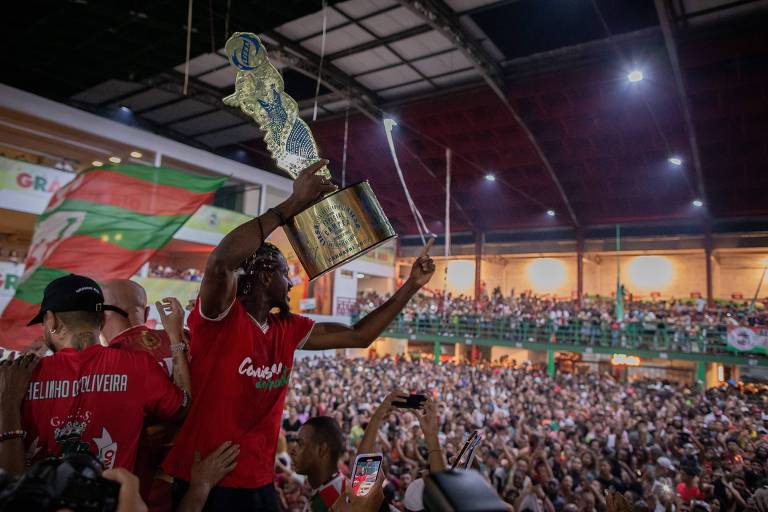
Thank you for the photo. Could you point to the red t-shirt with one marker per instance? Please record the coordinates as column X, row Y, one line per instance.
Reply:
column 141, row 338
column 239, row 380
column 95, row 400
column 689, row 493
column 157, row 435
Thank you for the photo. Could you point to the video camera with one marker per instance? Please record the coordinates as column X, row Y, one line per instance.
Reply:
column 72, row 482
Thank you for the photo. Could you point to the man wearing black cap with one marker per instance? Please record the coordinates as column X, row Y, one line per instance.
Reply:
column 85, row 397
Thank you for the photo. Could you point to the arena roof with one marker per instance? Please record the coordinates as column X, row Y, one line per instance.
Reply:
column 535, row 92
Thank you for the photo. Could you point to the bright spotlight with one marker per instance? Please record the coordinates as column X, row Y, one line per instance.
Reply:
column 675, row 160
column 136, row 154
column 551, row 213
column 360, row 276
column 546, row 274
column 650, row 272
column 490, row 177
column 115, row 159
column 97, row 163
column 635, row 76
column 697, row 203
column 125, row 109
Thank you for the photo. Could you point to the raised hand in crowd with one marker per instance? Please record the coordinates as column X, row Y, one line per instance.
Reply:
column 172, row 317
column 430, row 425
column 128, row 500
column 15, row 375
column 208, row 472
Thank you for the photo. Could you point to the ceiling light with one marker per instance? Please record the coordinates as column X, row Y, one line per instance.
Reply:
column 551, row 213
column 360, row 276
column 125, row 109
column 115, row 159
column 635, row 75
column 97, row 163
column 675, row 160
column 490, row 177
column 697, row 203
column 136, row 154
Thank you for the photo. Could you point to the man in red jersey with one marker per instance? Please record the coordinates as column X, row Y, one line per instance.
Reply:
column 242, row 354
column 85, row 397
column 131, row 333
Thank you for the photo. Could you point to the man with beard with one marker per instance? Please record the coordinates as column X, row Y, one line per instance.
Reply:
column 85, row 397
column 242, row 354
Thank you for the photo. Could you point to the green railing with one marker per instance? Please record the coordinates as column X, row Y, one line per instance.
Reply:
column 633, row 336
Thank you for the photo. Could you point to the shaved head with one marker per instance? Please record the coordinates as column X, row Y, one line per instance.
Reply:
column 130, row 297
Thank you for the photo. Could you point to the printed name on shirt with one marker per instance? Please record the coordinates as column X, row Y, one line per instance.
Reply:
column 95, row 383
column 269, row 377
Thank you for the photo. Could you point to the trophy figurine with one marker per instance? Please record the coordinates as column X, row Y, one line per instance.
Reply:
column 342, row 225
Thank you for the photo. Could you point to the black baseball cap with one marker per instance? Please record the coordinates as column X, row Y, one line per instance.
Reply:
column 73, row 293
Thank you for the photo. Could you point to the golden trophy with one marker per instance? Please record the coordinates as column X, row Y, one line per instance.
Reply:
column 340, row 226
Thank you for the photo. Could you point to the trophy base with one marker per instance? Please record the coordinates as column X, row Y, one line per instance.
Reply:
column 339, row 228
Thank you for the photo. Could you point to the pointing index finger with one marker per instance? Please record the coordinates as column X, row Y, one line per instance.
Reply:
column 314, row 167
column 427, row 247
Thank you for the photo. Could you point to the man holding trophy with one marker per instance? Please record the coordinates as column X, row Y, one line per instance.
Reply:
column 242, row 354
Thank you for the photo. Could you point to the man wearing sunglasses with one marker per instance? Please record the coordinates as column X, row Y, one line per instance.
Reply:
column 85, row 397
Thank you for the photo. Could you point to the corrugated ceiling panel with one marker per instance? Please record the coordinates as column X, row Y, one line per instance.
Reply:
column 445, row 63
column 146, row 99
column 225, row 77
column 336, row 106
column 231, row 136
column 369, row 59
column 205, row 122
column 311, row 24
column 202, row 63
column 422, row 44
column 359, row 8
column 465, row 5
column 105, row 91
column 339, row 39
column 456, row 78
column 388, row 77
column 406, row 90
column 393, row 21
column 178, row 110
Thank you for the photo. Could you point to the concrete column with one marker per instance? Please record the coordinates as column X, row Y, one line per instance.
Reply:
column 479, row 241
column 579, row 264
column 708, row 256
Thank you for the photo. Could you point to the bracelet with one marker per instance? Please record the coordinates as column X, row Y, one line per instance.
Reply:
column 13, row 434
column 279, row 215
column 178, row 347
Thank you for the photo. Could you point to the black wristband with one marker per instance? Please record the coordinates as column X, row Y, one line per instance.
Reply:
column 279, row 215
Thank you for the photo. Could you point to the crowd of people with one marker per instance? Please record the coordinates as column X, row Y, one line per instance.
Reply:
column 219, row 415
column 549, row 444
column 169, row 272
column 683, row 325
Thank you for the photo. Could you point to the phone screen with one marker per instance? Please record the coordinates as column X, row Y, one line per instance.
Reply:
column 365, row 474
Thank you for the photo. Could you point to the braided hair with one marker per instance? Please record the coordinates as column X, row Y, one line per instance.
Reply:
column 265, row 259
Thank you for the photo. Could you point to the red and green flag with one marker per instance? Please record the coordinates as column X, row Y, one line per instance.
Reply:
column 104, row 224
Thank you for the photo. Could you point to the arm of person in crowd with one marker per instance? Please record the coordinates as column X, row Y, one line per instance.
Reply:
column 363, row 333
column 128, row 499
column 371, row 502
column 172, row 317
column 430, row 425
column 368, row 443
column 219, row 286
column 15, row 375
column 597, row 491
column 206, row 474
column 542, row 456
